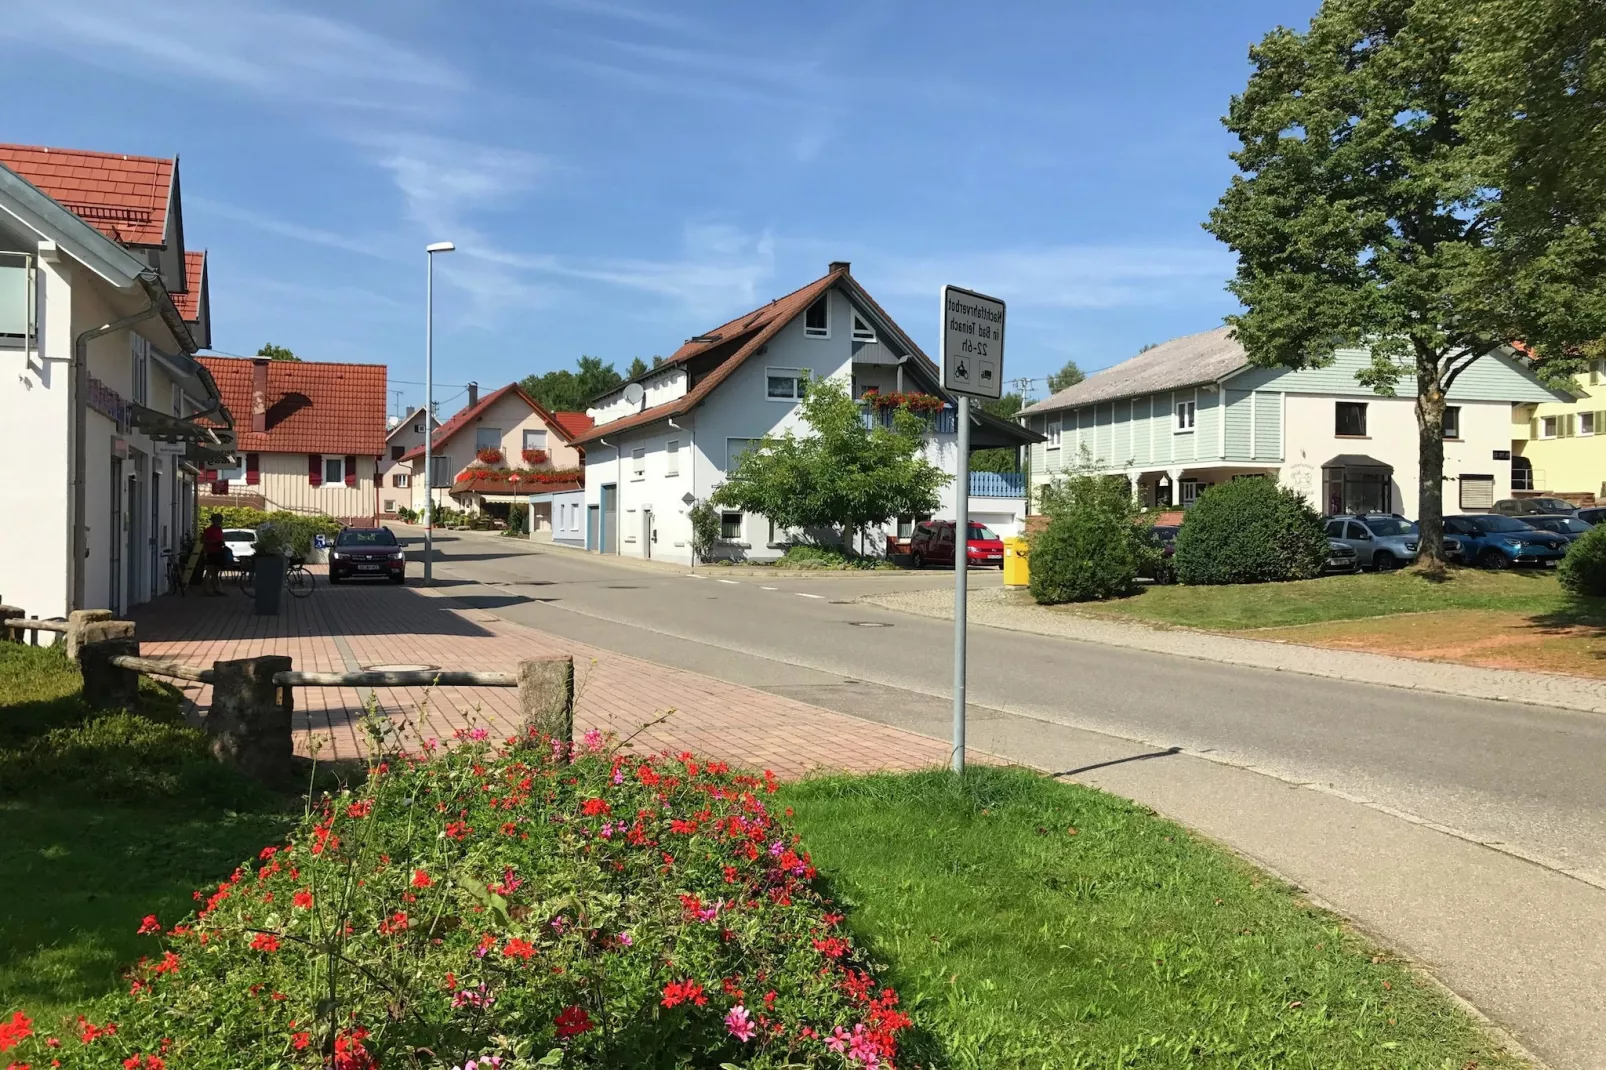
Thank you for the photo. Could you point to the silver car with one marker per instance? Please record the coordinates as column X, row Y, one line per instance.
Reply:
column 1380, row 540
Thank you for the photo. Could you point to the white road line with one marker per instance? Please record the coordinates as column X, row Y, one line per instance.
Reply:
column 763, row 588
column 802, row 594
column 695, row 576
column 727, row 581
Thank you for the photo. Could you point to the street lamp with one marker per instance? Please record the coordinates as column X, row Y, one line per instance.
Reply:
column 429, row 406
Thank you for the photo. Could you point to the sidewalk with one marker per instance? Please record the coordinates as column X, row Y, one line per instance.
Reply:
column 352, row 627
column 998, row 608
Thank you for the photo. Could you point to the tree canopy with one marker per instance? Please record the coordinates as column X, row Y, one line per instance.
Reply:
column 840, row 475
column 998, row 460
column 273, row 352
column 1069, row 375
column 563, row 390
column 637, row 369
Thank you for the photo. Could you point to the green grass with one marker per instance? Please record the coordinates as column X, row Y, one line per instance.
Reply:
column 1127, row 944
column 1366, row 594
column 107, row 817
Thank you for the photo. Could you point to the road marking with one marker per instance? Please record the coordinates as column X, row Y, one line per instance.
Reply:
column 802, row 594
column 695, row 576
column 727, row 581
column 763, row 588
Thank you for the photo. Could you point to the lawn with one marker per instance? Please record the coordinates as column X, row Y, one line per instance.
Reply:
column 1040, row 924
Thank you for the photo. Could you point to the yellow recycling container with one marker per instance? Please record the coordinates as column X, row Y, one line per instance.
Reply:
column 1017, row 571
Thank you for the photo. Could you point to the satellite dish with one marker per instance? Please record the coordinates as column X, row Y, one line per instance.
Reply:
column 634, row 394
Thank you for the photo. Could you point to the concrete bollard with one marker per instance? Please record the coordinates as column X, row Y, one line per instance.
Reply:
column 546, row 697
column 248, row 721
column 7, row 613
column 108, row 686
column 92, row 626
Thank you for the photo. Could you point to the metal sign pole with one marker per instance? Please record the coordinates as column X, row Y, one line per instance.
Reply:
column 961, row 578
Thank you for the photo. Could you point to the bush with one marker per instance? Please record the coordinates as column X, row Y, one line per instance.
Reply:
column 1583, row 570
column 612, row 912
column 296, row 529
column 518, row 519
column 406, row 515
column 1093, row 547
column 827, row 557
column 1250, row 531
column 704, row 527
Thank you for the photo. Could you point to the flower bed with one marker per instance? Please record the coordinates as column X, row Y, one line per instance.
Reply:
column 510, row 908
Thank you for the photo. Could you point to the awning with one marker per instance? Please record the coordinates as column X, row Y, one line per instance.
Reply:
column 166, row 428
column 1358, row 460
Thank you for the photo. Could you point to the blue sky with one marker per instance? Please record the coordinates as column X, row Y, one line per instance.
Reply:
column 620, row 174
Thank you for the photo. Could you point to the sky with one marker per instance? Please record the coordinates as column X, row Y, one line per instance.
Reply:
column 619, row 175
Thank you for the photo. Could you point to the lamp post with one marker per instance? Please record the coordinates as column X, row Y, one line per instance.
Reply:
column 429, row 406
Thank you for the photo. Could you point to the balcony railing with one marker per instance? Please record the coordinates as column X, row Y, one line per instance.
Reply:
column 944, row 422
column 997, row 485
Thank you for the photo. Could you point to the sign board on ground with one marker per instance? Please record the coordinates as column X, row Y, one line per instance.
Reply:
column 972, row 343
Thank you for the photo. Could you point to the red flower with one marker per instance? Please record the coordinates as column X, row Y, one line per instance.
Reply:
column 361, row 808
column 146, row 1062
column 13, row 1032
column 421, row 879
column 396, row 923
column 88, row 1032
column 299, row 1041
column 149, row 925
column 349, row 1052
column 678, row 992
column 458, row 830
column 573, row 1021
column 595, row 807
column 517, row 948
column 302, row 899
column 265, row 942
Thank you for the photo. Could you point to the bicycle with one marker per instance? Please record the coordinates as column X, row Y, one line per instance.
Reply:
column 175, row 572
column 298, row 579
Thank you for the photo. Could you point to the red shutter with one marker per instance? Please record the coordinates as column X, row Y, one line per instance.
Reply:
column 209, row 475
column 253, row 468
column 351, row 470
column 315, row 469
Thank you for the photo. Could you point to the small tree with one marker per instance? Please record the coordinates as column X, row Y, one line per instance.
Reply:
column 843, row 475
column 1094, row 546
column 637, row 369
column 704, row 527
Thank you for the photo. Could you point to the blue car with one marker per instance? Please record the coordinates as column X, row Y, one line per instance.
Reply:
column 1495, row 541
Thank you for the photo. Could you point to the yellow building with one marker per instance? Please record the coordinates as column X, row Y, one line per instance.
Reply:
column 1560, row 447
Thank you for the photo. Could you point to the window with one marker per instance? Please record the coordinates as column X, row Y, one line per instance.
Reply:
column 441, row 476
column 535, row 440
column 817, row 320
column 1185, row 415
column 1053, row 431
column 907, row 524
column 638, row 463
column 672, row 457
column 1357, row 532
column 400, row 480
column 1549, row 426
column 1190, row 488
column 1594, row 372
column 1477, row 493
column 235, row 473
column 1586, row 423
column 730, row 525
column 390, row 505
column 334, row 471
column 396, row 452
column 862, row 331
column 418, row 429
column 141, row 353
column 1335, row 529
column 783, row 384
column 1358, row 489
column 487, row 438
column 734, row 448
column 1452, row 421
column 1349, row 419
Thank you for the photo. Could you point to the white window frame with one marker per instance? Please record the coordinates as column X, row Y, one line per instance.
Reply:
column 741, row 520
column 1184, row 416
column 1448, row 409
column 418, row 429
column 390, row 505
column 401, row 481
column 535, row 438
column 1184, row 486
column 862, row 331
column 234, row 474
column 638, row 463
column 338, row 481
column 443, row 470
column 1549, row 427
column 1053, row 429
column 672, row 457
column 1582, row 432
column 816, row 332
column 797, row 375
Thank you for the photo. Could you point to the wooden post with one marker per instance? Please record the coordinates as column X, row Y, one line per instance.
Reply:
column 248, row 723
column 546, row 697
column 108, row 686
column 93, row 625
column 7, row 613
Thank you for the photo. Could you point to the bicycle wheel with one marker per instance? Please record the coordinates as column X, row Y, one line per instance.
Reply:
column 247, row 583
column 299, row 581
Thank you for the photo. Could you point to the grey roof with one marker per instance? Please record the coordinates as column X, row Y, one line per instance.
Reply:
column 1186, row 361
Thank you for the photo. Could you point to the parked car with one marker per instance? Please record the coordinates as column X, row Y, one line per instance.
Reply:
column 1525, row 506
column 1496, row 541
column 1453, row 550
column 367, row 553
column 1341, row 557
column 1591, row 516
column 933, row 544
column 1568, row 527
column 1382, row 541
column 241, row 542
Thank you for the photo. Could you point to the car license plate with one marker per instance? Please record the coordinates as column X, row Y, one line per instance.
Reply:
column 367, row 568
column 1550, row 563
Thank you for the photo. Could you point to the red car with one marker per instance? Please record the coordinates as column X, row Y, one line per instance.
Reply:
column 933, row 544
column 367, row 553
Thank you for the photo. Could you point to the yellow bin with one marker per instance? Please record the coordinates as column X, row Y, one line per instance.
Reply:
column 1017, row 570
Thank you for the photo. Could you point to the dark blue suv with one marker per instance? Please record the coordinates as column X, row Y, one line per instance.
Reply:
column 1495, row 541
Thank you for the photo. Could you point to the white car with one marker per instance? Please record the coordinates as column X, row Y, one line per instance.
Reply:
column 242, row 542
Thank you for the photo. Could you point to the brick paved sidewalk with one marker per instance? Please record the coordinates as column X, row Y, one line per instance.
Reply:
column 357, row 626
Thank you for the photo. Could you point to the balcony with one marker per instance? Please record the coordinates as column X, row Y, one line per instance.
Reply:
column 997, row 485
column 945, row 422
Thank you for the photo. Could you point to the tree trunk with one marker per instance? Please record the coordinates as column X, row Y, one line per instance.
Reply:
column 1430, row 464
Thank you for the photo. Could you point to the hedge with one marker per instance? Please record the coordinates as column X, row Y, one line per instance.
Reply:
column 297, row 528
column 1250, row 531
column 1583, row 570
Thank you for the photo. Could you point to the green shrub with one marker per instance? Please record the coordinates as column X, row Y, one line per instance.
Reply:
column 406, row 515
column 1583, row 570
column 296, row 529
column 518, row 519
column 1250, row 531
column 704, row 527
column 805, row 557
column 612, row 911
column 1093, row 547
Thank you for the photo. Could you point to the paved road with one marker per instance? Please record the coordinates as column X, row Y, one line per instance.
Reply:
column 1422, row 810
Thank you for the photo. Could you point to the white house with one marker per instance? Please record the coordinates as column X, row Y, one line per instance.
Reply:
column 1194, row 412
column 101, row 309
column 667, row 440
column 396, row 475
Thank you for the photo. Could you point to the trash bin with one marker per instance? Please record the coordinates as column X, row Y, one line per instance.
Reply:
column 1017, row 571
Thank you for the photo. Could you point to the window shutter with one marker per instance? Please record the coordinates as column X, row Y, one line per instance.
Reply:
column 351, row 470
column 1533, row 428
column 315, row 469
column 209, row 475
column 1570, row 426
column 253, row 468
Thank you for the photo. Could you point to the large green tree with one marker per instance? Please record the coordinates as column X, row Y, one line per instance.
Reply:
column 1362, row 216
column 998, row 460
column 637, row 369
column 563, row 390
column 840, row 475
column 1069, row 375
column 273, row 352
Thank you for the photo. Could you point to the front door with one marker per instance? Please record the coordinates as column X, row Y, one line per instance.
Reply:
column 593, row 522
column 610, row 519
column 646, row 533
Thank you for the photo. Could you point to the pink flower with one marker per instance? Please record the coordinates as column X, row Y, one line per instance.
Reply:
column 478, row 734
column 625, row 940
column 838, row 1040
column 593, row 741
column 739, row 1023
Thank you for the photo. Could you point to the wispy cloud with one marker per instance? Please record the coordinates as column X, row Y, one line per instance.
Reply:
column 285, row 229
column 623, row 12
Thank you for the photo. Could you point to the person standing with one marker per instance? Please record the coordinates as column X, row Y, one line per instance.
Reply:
column 215, row 553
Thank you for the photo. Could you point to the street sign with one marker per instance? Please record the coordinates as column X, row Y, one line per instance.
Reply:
column 972, row 343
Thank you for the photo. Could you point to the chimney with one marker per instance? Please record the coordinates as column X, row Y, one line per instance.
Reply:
column 259, row 394
column 473, row 394
column 838, row 265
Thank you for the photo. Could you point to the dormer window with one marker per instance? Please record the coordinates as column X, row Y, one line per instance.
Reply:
column 817, row 320
column 862, row 331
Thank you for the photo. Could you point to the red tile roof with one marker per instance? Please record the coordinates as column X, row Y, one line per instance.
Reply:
column 444, row 433
column 572, row 424
column 124, row 197
column 189, row 304
column 312, row 406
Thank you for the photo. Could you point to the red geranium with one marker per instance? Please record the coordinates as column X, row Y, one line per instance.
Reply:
column 490, row 455
column 265, row 942
column 13, row 1032
column 572, row 1021
column 535, row 457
